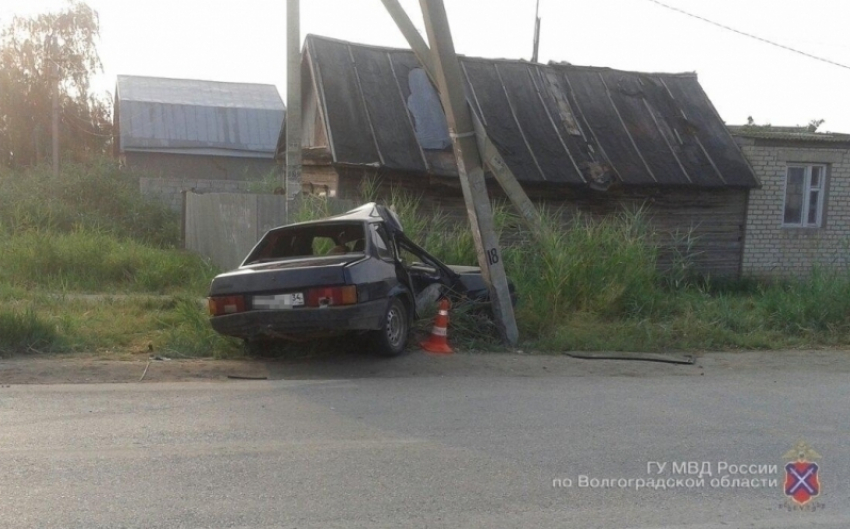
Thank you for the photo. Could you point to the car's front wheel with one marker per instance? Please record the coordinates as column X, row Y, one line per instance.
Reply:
column 391, row 339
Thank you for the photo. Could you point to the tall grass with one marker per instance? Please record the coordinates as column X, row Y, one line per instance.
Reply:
column 606, row 267
column 187, row 333
column 598, row 284
column 817, row 303
column 97, row 197
column 89, row 232
column 88, row 261
column 26, row 331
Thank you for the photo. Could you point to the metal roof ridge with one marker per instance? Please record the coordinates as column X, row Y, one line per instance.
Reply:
column 205, row 81
column 550, row 64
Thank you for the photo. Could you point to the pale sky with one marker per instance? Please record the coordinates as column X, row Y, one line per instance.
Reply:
column 244, row 41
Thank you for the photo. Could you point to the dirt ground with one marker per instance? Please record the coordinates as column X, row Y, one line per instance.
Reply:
column 78, row 369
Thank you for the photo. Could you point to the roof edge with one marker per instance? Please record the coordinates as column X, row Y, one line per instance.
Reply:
column 550, row 64
column 794, row 134
column 210, row 81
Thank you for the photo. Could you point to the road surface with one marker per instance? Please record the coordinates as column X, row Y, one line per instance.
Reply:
column 469, row 441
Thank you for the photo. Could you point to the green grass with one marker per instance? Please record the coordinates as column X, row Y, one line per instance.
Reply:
column 87, row 265
column 93, row 292
column 187, row 333
column 92, row 262
column 99, row 198
column 26, row 331
column 596, row 285
column 120, row 326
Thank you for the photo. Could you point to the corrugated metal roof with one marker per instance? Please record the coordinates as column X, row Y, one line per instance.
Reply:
column 183, row 115
column 553, row 123
column 787, row 134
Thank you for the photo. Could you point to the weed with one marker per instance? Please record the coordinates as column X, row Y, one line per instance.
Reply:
column 87, row 261
column 26, row 332
column 187, row 333
column 97, row 197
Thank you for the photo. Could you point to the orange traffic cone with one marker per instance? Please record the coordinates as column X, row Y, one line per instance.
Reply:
column 437, row 343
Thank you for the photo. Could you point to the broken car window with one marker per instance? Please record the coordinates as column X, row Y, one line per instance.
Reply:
column 380, row 240
column 308, row 241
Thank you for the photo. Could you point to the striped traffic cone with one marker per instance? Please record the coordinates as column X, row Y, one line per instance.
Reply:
column 437, row 342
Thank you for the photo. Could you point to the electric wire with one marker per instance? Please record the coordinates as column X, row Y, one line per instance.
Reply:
column 80, row 128
column 766, row 41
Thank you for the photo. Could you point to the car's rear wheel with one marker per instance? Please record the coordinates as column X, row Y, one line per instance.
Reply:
column 391, row 339
column 256, row 346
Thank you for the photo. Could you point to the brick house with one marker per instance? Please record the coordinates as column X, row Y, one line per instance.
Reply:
column 800, row 216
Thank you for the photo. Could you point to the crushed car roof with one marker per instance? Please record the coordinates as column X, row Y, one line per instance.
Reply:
column 369, row 212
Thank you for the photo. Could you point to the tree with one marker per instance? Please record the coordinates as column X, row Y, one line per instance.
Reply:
column 36, row 53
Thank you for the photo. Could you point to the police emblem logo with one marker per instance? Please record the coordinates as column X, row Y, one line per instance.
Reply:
column 802, row 482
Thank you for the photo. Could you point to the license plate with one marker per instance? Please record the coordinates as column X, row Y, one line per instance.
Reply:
column 278, row 301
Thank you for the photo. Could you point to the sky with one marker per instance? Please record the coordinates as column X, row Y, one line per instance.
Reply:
column 245, row 41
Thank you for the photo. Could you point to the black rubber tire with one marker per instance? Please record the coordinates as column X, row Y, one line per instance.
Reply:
column 391, row 339
column 257, row 346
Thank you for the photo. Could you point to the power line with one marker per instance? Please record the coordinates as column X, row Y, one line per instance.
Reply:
column 772, row 43
column 81, row 129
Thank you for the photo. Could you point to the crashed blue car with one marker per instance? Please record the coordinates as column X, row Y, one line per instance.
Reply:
column 355, row 272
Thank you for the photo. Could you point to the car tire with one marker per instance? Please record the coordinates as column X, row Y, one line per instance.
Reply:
column 256, row 346
column 391, row 339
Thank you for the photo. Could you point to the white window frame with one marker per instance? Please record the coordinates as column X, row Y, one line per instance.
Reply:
column 807, row 193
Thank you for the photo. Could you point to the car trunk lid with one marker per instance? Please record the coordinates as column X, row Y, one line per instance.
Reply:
column 283, row 276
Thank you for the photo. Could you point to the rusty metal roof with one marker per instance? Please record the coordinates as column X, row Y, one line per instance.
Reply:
column 199, row 117
column 555, row 123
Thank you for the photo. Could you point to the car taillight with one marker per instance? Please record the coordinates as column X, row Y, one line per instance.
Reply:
column 221, row 305
column 331, row 296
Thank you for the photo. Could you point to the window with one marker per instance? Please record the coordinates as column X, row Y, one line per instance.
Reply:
column 804, row 190
column 379, row 239
column 296, row 242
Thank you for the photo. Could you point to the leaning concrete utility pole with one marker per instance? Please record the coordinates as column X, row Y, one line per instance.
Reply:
column 292, row 178
column 470, row 170
column 490, row 154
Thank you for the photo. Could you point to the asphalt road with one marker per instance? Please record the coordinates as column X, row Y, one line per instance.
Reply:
column 430, row 447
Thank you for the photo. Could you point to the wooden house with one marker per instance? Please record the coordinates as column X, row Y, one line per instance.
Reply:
column 579, row 139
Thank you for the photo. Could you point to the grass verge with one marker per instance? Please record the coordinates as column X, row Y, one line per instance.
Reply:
column 596, row 285
column 87, row 265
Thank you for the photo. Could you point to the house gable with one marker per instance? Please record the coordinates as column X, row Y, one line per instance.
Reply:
column 556, row 124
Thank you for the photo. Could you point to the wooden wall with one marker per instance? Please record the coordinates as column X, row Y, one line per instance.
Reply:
column 713, row 219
